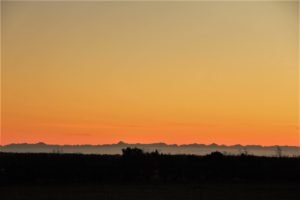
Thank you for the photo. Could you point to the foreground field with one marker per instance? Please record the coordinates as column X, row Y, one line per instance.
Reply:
column 152, row 192
column 136, row 167
column 136, row 175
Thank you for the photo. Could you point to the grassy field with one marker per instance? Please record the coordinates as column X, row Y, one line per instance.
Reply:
column 152, row 192
column 136, row 175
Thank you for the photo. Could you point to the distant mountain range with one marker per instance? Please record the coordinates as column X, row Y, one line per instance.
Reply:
column 195, row 149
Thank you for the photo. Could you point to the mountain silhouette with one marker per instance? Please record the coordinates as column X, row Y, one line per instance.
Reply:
column 192, row 149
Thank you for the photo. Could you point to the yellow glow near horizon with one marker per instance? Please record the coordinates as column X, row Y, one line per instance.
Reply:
column 174, row 72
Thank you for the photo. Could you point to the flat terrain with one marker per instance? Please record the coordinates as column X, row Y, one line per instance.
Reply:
column 136, row 175
column 152, row 192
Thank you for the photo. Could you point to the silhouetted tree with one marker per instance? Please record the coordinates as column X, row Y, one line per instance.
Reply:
column 216, row 154
column 155, row 153
column 132, row 152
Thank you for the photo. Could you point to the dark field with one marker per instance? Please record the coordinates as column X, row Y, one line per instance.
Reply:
column 152, row 192
column 138, row 175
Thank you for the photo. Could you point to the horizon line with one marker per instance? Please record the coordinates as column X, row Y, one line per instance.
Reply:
column 138, row 143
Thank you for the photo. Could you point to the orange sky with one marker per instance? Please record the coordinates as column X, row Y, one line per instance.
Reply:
column 174, row 72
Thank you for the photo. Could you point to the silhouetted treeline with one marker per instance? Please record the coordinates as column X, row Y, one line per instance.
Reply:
column 136, row 166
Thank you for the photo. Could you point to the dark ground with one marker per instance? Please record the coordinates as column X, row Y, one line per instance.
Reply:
column 143, row 176
column 152, row 192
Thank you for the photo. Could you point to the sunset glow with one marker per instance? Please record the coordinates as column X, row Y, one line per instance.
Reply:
column 144, row 72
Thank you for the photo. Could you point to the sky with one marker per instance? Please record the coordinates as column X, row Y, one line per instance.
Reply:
column 144, row 72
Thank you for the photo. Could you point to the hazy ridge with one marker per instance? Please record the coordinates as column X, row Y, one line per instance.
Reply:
column 195, row 149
